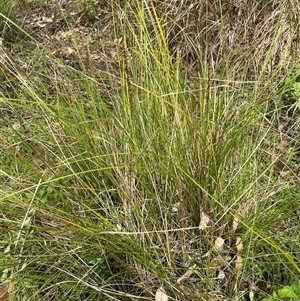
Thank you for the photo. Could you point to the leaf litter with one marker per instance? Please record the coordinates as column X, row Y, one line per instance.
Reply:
column 161, row 295
column 204, row 220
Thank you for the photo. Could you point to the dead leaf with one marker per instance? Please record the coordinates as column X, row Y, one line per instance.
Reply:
column 227, row 258
column 284, row 173
column 274, row 158
column 187, row 274
column 16, row 126
column 4, row 293
column 160, row 295
column 238, row 262
column 204, row 220
column 64, row 34
column 96, row 56
column 236, row 155
column 218, row 262
column 67, row 50
column 219, row 243
column 44, row 21
column 221, row 275
column 239, row 244
column 47, row 20
column 206, row 254
column 176, row 207
column 282, row 145
column 235, row 224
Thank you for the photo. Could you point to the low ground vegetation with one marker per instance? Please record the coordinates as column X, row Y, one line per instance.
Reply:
column 149, row 150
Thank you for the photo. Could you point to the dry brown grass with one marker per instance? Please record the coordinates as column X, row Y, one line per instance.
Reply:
column 233, row 34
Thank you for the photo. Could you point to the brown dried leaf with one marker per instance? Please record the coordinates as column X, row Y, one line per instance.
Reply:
column 16, row 126
column 206, row 254
column 67, row 50
column 238, row 262
column 64, row 34
column 221, row 275
column 227, row 258
column 236, row 155
column 235, row 224
column 204, row 220
column 239, row 244
column 219, row 243
column 96, row 56
column 274, row 158
column 44, row 21
column 160, row 295
column 176, row 207
column 187, row 274
column 282, row 145
column 283, row 173
column 4, row 291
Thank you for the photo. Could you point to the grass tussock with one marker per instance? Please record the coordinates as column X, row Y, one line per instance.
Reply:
column 160, row 163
